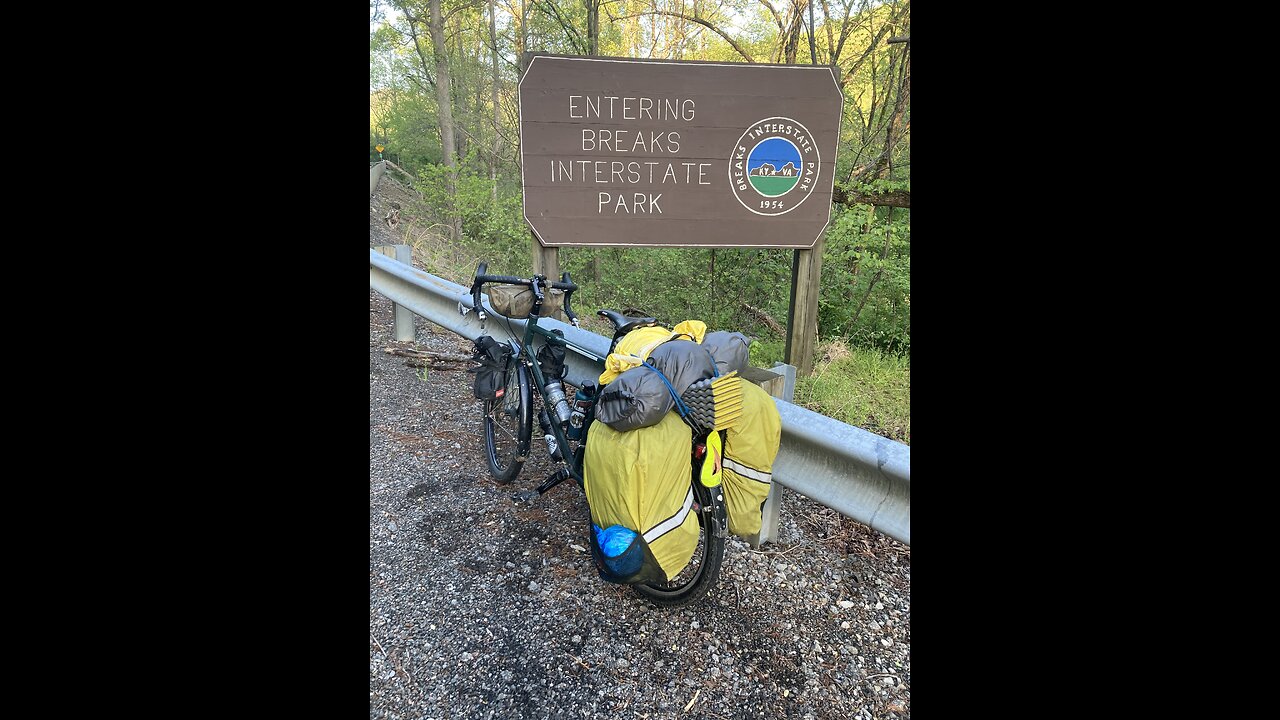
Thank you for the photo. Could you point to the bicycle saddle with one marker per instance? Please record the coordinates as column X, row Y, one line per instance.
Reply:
column 623, row 324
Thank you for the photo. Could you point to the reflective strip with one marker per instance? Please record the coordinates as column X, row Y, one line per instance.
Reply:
column 672, row 522
column 747, row 472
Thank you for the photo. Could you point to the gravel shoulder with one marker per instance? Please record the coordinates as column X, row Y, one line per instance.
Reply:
column 482, row 609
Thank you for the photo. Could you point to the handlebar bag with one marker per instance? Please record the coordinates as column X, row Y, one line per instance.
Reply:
column 517, row 300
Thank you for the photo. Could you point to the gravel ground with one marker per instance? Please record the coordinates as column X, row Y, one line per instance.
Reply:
column 482, row 609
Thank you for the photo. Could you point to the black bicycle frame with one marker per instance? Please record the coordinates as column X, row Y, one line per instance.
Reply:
column 530, row 330
column 537, row 283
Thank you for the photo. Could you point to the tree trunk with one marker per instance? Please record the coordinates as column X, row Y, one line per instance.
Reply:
column 793, row 31
column 593, row 27
column 497, row 118
column 445, row 103
column 524, row 33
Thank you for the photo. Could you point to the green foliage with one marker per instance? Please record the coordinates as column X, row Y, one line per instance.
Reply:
column 764, row 353
column 493, row 231
column 866, row 278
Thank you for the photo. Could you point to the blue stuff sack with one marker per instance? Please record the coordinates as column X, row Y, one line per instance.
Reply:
column 622, row 556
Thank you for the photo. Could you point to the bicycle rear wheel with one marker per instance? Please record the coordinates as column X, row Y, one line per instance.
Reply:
column 703, row 570
column 508, row 425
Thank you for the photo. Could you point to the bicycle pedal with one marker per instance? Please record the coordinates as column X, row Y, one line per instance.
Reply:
column 525, row 497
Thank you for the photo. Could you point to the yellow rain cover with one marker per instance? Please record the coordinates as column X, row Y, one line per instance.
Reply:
column 640, row 479
column 750, row 447
column 635, row 346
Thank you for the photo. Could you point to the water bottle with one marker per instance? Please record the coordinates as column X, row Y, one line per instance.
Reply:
column 553, row 397
column 581, row 403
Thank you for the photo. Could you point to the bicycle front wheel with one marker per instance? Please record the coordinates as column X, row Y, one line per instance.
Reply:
column 703, row 570
column 508, row 425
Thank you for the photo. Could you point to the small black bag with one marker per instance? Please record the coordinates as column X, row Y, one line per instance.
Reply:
column 551, row 360
column 491, row 373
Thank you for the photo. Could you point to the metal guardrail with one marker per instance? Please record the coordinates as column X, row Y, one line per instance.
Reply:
column 375, row 174
column 858, row 473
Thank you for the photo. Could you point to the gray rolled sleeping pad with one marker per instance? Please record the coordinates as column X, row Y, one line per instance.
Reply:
column 639, row 398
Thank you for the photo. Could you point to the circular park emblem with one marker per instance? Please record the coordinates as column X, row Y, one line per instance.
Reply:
column 774, row 166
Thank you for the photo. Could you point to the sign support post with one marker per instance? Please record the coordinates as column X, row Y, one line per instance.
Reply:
column 802, row 314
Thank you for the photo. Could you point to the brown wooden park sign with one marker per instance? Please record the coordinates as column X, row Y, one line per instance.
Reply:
column 677, row 154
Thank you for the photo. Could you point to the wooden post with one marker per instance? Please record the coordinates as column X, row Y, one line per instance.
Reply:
column 802, row 315
column 546, row 260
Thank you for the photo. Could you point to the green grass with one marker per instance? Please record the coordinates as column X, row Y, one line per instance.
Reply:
column 864, row 388
column 774, row 185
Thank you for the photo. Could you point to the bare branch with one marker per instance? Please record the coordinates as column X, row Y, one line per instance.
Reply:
column 418, row 82
column 896, row 130
column 416, row 45
column 460, row 8
column 875, row 40
column 847, row 26
column 577, row 40
column 776, row 18
column 695, row 19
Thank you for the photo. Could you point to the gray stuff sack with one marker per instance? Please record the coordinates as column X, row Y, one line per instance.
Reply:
column 731, row 351
column 639, row 398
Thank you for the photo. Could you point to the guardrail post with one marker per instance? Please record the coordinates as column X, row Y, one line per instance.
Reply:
column 404, row 316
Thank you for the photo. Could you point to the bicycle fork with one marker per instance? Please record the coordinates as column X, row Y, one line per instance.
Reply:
column 556, row 453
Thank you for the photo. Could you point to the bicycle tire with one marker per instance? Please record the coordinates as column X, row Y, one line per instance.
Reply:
column 508, row 427
column 713, row 527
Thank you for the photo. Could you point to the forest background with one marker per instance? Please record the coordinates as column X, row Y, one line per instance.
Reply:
column 443, row 103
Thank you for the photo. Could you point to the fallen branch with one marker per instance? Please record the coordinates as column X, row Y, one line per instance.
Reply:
column 890, row 198
column 784, row 552
column 764, row 317
column 411, row 187
column 413, row 362
column 400, row 170
column 421, row 354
